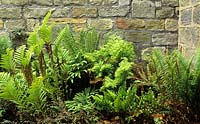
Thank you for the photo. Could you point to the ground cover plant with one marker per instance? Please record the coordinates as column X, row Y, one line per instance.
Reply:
column 73, row 79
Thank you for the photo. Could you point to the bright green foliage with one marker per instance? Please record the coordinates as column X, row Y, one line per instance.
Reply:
column 82, row 102
column 5, row 43
column 40, row 70
column 105, row 61
column 121, row 75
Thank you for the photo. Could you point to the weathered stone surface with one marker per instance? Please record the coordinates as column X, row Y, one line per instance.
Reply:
column 194, row 2
column 170, row 2
column 78, row 27
column 15, row 24
column 184, row 3
column 144, row 9
column 77, row 2
column 84, row 12
column 103, row 2
column 58, row 2
column 31, row 23
column 196, row 14
column 140, row 24
column 130, row 23
column 35, row 12
column 158, row 4
column 1, row 24
column 124, row 2
column 68, row 20
column 148, row 51
column 154, row 24
column 15, row 2
column 61, row 12
column 113, row 11
column 96, row 2
column 4, row 34
column 165, row 39
column 42, row 2
column 171, row 24
column 138, row 36
column 186, row 16
column 10, row 13
column 101, row 24
column 165, row 12
column 190, row 36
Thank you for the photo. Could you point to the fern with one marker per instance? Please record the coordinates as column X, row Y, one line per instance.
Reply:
column 82, row 102
column 38, row 95
column 7, row 61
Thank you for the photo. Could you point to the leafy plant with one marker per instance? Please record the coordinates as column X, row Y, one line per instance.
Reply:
column 176, row 77
column 82, row 102
column 39, row 73
column 5, row 43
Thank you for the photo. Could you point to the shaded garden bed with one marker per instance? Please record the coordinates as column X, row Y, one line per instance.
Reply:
column 73, row 79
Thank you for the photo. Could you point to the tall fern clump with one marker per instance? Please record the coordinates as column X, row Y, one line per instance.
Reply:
column 38, row 74
column 175, row 77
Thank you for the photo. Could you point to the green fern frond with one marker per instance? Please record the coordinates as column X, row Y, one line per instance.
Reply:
column 38, row 95
column 7, row 61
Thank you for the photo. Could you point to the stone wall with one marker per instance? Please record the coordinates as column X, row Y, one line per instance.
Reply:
column 147, row 23
column 189, row 26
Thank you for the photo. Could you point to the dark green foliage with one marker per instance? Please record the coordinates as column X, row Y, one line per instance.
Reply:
column 175, row 77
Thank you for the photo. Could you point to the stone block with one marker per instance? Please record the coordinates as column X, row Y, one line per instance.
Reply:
column 165, row 39
column 145, row 9
column 84, row 12
column 171, row 24
column 61, row 12
column 130, row 23
column 15, row 2
column 77, row 2
column 78, row 27
column 186, row 17
column 152, row 24
column 189, row 36
column 165, row 12
column 1, row 24
column 138, row 36
column 58, row 2
column 35, row 12
column 101, row 24
column 96, row 2
column 42, row 2
column 113, row 11
column 183, row 3
column 194, row 2
column 172, row 3
column 10, row 13
column 103, row 2
column 31, row 23
column 68, row 20
column 196, row 14
column 124, row 2
column 11, row 25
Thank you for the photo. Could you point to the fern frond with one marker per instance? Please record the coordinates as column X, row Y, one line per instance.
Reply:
column 38, row 95
column 7, row 61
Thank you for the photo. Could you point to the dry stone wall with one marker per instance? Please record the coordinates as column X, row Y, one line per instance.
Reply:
column 147, row 23
column 189, row 26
